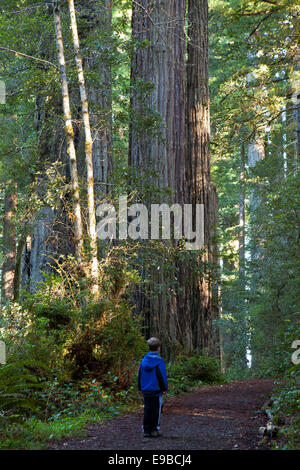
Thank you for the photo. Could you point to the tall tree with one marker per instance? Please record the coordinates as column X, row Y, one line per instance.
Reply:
column 158, row 134
column 88, row 153
column 205, row 308
column 70, row 137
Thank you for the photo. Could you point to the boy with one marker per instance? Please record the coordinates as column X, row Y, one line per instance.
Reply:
column 152, row 382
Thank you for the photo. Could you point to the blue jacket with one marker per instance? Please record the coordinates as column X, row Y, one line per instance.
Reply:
column 152, row 378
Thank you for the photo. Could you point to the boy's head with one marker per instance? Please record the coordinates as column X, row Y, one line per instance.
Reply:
column 154, row 344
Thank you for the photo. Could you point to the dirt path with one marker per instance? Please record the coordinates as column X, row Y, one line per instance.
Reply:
column 213, row 417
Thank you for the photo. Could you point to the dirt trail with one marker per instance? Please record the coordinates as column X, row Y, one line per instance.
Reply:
column 213, row 417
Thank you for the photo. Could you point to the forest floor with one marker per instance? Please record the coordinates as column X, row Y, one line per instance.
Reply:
column 213, row 417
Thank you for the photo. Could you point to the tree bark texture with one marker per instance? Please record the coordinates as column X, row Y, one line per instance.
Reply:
column 201, row 191
column 95, row 26
column 9, row 243
column 158, row 139
column 158, row 75
column 169, row 136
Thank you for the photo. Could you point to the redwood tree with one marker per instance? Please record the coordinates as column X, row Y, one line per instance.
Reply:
column 204, row 299
column 169, row 136
column 158, row 134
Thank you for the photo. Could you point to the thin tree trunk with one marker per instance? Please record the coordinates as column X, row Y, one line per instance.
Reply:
column 242, row 214
column 88, row 152
column 256, row 153
column 221, row 336
column 70, row 137
column 241, row 246
column 9, row 243
column 296, row 100
column 18, row 268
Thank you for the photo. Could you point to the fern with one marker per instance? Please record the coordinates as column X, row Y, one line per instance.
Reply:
column 18, row 381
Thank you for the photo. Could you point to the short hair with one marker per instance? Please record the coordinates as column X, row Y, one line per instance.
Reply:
column 153, row 344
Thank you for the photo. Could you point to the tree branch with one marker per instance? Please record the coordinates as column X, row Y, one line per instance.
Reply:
column 17, row 53
column 262, row 20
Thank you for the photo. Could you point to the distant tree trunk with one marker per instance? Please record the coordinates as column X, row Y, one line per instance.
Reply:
column 88, row 153
column 242, row 214
column 205, row 307
column 158, row 80
column 9, row 243
column 241, row 242
column 256, row 153
column 296, row 100
column 70, row 138
column 18, row 269
column 221, row 335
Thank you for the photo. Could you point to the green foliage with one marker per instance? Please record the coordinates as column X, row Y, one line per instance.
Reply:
column 19, row 383
column 189, row 371
column 274, row 303
column 112, row 348
column 252, row 64
column 58, row 312
column 286, row 409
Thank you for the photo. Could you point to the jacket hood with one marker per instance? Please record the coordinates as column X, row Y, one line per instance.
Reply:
column 151, row 360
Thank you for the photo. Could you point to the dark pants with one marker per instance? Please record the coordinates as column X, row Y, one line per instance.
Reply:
column 152, row 410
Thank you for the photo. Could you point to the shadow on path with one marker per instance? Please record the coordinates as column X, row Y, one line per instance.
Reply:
column 213, row 417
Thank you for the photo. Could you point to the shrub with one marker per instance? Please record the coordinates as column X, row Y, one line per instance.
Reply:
column 286, row 408
column 110, row 351
column 18, row 382
column 192, row 370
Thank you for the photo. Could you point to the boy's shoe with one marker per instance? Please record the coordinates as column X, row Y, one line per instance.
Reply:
column 147, row 434
column 156, row 433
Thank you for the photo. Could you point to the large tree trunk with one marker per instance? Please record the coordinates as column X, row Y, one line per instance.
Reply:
column 205, row 305
column 161, row 63
column 101, row 106
column 9, row 243
column 95, row 28
column 50, row 232
column 158, row 78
